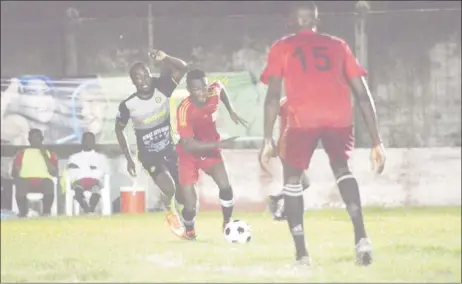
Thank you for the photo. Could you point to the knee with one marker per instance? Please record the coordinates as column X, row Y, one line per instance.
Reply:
column 341, row 170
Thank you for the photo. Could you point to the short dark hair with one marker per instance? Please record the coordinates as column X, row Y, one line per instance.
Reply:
column 194, row 75
column 295, row 5
column 88, row 133
column 136, row 66
column 35, row 130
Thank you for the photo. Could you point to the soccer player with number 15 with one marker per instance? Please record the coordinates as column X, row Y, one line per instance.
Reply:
column 318, row 71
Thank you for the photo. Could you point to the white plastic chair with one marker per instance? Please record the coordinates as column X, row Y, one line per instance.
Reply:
column 37, row 197
column 73, row 207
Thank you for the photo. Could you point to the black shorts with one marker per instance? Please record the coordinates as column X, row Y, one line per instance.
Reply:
column 158, row 162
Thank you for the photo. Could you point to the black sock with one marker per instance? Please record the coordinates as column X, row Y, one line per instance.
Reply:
column 48, row 199
column 94, row 199
column 293, row 202
column 227, row 203
column 23, row 205
column 189, row 218
column 349, row 191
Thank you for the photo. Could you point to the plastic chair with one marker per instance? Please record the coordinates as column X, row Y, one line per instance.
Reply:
column 73, row 207
column 37, row 197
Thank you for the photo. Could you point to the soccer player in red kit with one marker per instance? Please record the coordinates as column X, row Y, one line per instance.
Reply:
column 200, row 146
column 318, row 71
column 276, row 201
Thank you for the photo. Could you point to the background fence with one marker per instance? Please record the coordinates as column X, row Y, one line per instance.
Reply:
column 413, row 59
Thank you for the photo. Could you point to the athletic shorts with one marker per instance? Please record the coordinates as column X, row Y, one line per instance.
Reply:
column 156, row 162
column 189, row 166
column 87, row 184
column 297, row 145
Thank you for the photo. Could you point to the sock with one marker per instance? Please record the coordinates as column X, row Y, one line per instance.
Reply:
column 189, row 218
column 227, row 203
column 79, row 197
column 293, row 202
column 47, row 203
column 94, row 199
column 349, row 191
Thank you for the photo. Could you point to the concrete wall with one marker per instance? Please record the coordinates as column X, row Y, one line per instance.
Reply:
column 412, row 177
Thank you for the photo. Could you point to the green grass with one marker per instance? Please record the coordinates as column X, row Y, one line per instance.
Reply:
column 410, row 245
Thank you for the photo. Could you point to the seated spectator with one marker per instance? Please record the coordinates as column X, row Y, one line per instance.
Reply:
column 33, row 172
column 86, row 171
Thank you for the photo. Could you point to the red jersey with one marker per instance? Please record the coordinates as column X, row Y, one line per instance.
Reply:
column 199, row 122
column 282, row 116
column 316, row 70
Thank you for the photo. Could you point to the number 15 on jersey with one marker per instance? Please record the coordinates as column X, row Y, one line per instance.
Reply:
column 315, row 56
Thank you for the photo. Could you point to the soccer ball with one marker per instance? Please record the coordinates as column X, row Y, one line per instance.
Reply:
column 237, row 231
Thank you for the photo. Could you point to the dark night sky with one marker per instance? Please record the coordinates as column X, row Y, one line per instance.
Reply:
column 46, row 11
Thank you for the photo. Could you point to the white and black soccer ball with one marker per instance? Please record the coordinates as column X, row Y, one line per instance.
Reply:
column 237, row 231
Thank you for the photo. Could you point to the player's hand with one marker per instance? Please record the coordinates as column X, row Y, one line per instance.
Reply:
column 228, row 143
column 378, row 158
column 238, row 120
column 131, row 167
column 157, row 54
column 266, row 153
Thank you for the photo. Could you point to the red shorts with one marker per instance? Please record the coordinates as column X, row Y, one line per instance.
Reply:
column 297, row 145
column 87, row 183
column 189, row 166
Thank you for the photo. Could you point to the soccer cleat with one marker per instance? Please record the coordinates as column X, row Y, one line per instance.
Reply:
column 175, row 224
column 303, row 261
column 189, row 235
column 364, row 252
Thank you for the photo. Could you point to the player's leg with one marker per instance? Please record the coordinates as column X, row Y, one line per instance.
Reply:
column 154, row 164
column 171, row 162
column 296, row 150
column 276, row 205
column 189, row 211
column 188, row 174
column 338, row 144
column 216, row 169
column 47, row 189
column 22, row 188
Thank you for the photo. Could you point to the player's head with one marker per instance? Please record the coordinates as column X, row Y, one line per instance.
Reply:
column 196, row 83
column 88, row 141
column 35, row 137
column 142, row 79
column 304, row 15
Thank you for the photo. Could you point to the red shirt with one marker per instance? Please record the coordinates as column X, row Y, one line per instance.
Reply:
column 283, row 116
column 316, row 69
column 199, row 122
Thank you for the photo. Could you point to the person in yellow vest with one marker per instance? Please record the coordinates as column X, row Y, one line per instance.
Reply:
column 86, row 170
column 33, row 170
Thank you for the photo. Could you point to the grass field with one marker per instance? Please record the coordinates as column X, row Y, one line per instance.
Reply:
column 410, row 245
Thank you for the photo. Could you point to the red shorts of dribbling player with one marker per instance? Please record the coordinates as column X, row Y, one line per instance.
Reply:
column 297, row 145
column 189, row 166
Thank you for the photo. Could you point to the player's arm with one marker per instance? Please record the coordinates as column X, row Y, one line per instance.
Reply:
column 220, row 89
column 51, row 161
column 171, row 67
column 121, row 122
column 355, row 75
column 186, row 132
column 272, row 76
column 17, row 164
